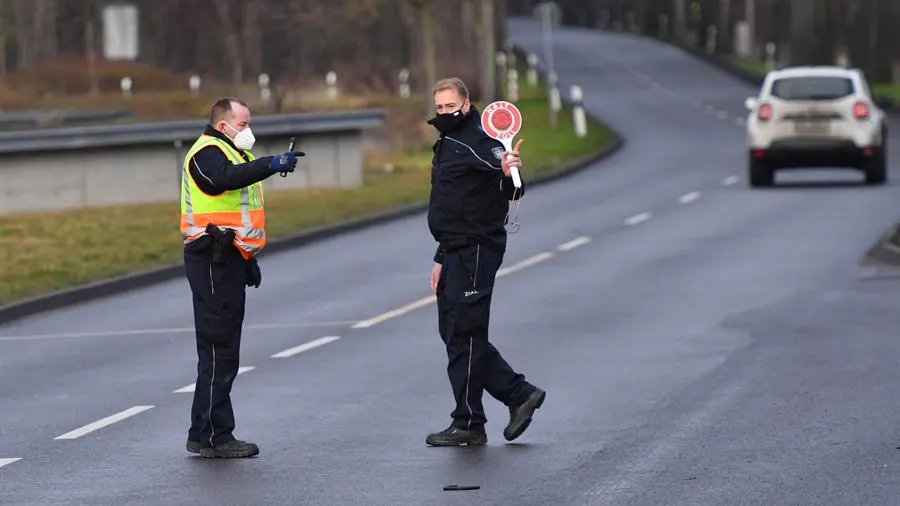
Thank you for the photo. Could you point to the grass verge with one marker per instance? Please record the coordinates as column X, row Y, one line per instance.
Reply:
column 50, row 251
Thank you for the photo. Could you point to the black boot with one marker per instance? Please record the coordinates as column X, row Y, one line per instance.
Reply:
column 454, row 436
column 194, row 446
column 233, row 449
column 520, row 416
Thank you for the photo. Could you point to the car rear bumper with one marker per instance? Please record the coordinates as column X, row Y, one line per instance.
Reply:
column 813, row 153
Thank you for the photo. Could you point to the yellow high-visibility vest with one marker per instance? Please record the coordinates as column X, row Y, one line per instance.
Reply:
column 241, row 210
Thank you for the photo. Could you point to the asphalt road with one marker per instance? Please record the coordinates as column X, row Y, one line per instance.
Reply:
column 701, row 343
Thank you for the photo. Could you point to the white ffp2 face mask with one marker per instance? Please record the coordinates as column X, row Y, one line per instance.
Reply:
column 244, row 138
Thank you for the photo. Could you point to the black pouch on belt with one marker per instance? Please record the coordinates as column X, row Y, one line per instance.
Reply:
column 223, row 243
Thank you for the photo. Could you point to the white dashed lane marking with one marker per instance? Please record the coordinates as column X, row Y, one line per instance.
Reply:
column 528, row 262
column 574, row 243
column 730, row 180
column 99, row 424
column 400, row 311
column 8, row 461
column 424, row 301
column 190, row 388
column 689, row 197
column 290, row 352
column 638, row 218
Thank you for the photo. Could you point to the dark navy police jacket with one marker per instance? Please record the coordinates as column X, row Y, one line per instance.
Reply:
column 470, row 196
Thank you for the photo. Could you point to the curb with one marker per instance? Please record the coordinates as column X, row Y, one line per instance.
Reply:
column 142, row 279
column 885, row 250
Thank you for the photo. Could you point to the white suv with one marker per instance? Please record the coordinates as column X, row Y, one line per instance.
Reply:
column 815, row 117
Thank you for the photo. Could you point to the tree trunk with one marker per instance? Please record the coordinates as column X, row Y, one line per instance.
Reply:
column 90, row 44
column 803, row 17
column 223, row 8
column 489, row 52
column 252, row 38
column 4, row 31
column 426, row 25
column 35, row 30
column 679, row 20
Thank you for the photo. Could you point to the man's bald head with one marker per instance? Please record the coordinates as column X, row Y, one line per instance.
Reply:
column 229, row 112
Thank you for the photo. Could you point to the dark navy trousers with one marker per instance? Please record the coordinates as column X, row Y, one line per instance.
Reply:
column 219, row 295
column 464, row 292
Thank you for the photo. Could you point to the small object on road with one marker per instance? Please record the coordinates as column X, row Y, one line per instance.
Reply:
column 462, row 487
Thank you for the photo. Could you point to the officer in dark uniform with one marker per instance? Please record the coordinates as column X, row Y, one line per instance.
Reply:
column 471, row 190
column 223, row 227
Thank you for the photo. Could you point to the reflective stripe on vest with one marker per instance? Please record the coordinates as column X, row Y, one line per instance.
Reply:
column 241, row 210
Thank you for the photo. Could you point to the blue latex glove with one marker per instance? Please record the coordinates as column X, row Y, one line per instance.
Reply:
column 285, row 162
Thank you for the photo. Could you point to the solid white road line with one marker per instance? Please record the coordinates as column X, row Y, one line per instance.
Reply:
column 173, row 330
column 190, row 388
column 730, row 180
column 424, row 301
column 290, row 352
column 6, row 462
column 99, row 424
column 689, row 197
column 574, row 243
column 637, row 218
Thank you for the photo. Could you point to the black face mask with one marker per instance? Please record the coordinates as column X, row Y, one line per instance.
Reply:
column 445, row 123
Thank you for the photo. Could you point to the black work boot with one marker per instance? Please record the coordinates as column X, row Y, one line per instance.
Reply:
column 194, row 446
column 234, row 449
column 520, row 416
column 454, row 436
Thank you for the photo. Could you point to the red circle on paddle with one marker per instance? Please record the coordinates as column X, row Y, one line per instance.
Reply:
column 501, row 120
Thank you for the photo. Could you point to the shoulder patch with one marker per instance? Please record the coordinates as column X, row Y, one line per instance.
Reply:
column 498, row 152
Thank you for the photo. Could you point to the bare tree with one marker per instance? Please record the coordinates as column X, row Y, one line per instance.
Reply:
column 251, row 38
column 224, row 13
column 426, row 29
column 35, row 30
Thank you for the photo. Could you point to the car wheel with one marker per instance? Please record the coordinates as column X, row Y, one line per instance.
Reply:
column 876, row 167
column 760, row 174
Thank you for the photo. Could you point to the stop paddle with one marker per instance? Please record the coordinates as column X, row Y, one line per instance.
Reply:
column 501, row 120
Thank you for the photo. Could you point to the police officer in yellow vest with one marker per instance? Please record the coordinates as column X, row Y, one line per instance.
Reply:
column 223, row 227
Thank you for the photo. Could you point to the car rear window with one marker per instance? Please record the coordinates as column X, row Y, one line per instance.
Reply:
column 812, row 88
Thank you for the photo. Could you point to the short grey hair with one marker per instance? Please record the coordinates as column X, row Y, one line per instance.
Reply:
column 454, row 83
column 223, row 107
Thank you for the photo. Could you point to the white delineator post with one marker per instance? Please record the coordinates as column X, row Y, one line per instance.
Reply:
column 532, row 69
column 194, row 85
column 512, row 85
column 265, row 94
column 578, row 116
column 555, row 99
column 331, row 84
column 126, row 83
column 403, row 77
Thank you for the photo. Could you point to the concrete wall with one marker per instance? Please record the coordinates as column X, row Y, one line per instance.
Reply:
column 36, row 179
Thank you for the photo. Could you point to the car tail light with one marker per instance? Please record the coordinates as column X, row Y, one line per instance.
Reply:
column 860, row 110
column 765, row 112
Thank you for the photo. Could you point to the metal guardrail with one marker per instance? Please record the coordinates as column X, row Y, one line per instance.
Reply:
column 164, row 132
column 54, row 118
